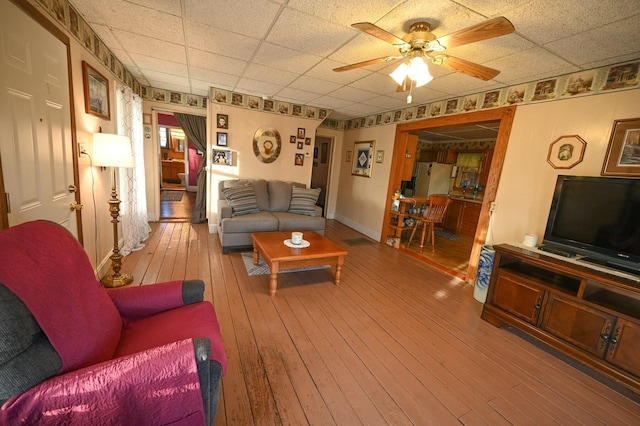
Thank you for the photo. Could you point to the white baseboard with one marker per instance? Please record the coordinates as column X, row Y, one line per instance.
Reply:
column 374, row 235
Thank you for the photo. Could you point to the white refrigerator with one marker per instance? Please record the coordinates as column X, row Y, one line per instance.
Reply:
column 432, row 178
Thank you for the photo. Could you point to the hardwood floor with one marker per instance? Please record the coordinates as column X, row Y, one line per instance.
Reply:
column 179, row 211
column 398, row 342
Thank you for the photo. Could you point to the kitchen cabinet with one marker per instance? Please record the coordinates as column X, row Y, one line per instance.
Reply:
column 591, row 315
column 447, row 156
column 462, row 217
column 170, row 170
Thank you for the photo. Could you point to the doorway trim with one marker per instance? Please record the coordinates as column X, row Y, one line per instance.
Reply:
column 506, row 116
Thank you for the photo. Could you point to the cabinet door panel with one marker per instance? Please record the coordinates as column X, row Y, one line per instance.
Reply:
column 453, row 216
column 469, row 222
column 519, row 298
column 624, row 348
column 582, row 326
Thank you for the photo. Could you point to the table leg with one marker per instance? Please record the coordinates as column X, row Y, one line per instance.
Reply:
column 256, row 256
column 273, row 281
column 339, row 269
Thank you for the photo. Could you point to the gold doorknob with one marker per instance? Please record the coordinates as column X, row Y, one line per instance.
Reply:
column 75, row 206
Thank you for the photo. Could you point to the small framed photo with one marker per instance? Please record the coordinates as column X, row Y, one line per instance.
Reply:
column 96, row 92
column 292, row 139
column 301, row 133
column 299, row 160
column 300, row 145
column 221, row 139
column 623, row 152
column 379, row 156
column 224, row 158
column 307, row 141
column 146, row 119
column 222, row 121
column 566, row 151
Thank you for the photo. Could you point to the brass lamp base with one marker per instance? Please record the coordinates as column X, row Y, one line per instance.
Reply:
column 118, row 280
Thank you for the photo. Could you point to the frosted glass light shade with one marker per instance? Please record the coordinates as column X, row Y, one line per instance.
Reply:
column 400, row 73
column 111, row 150
column 419, row 72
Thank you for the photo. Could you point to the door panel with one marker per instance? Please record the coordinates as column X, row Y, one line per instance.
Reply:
column 35, row 115
column 624, row 348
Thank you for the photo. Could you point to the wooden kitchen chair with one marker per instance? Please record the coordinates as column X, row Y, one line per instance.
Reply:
column 430, row 218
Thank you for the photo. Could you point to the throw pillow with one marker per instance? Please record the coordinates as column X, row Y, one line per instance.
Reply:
column 303, row 201
column 279, row 195
column 242, row 199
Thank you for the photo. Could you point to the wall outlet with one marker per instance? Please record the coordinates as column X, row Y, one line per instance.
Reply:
column 492, row 208
column 82, row 149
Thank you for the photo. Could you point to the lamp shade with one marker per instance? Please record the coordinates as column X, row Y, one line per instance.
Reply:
column 419, row 72
column 112, row 150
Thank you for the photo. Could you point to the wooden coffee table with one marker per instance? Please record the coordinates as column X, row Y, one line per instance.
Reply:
column 279, row 257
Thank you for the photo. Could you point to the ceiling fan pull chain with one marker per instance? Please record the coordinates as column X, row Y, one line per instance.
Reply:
column 409, row 96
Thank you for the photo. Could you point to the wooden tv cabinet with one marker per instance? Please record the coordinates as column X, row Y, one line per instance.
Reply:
column 588, row 314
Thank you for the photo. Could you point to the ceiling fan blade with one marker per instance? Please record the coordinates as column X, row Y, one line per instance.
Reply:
column 495, row 27
column 366, row 63
column 465, row 67
column 378, row 32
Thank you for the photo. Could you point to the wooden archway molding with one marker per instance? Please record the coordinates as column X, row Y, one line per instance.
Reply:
column 506, row 116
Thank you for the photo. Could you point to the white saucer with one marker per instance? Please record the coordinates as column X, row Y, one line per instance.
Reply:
column 304, row 244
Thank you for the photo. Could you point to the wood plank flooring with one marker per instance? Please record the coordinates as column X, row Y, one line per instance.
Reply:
column 398, row 342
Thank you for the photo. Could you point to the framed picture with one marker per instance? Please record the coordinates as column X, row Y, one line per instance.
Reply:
column 566, row 151
column 362, row 158
column 221, row 139
column 146, row 119
column 292, row 139
column 379, row 156
column 348, row 157
column 307, row 141
column 224, row 158
column 300, row 145
column 222, row 121
column 96, row 92
column 301, row 133
column 623, row 153
column 299, row 160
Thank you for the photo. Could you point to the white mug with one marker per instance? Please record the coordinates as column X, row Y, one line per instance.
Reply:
column 530, row 240
column 296, row 238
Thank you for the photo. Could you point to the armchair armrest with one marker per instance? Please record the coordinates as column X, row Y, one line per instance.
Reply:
column 128, row 390
column 142, row 301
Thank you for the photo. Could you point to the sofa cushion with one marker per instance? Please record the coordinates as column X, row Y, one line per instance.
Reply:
column 297, row 222
column 262, row 194
column 279, row 195
column 258, row 222
column 242, row 199
column 303, row 201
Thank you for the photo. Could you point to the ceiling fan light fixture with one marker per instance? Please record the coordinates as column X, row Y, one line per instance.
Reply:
column 419, row 71
column 400, row 73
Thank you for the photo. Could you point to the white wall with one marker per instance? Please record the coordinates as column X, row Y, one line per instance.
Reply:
column 527, row 182
column 360, row 200
column 243, row 124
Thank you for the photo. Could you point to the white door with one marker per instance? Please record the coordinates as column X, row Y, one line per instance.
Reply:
column 35, row 118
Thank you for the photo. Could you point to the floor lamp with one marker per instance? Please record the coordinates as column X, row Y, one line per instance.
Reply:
column 113, row 151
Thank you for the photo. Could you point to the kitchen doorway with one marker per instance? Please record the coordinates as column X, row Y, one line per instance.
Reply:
column 404, row 157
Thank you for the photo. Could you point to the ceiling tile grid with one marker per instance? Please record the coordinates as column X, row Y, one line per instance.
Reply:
column 287, row 49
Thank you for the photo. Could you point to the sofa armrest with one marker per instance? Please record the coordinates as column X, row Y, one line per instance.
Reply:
column 128, row 390
column 142, row 301
column 224, row 210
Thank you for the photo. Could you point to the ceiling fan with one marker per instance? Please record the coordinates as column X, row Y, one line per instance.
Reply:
column 421, row 43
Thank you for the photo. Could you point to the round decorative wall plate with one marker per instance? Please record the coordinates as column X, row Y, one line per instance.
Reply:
column 267, row 145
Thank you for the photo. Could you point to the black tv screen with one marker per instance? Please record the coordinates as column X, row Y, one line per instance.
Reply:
column 598, row 218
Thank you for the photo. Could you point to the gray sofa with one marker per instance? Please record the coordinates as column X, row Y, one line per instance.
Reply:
column 247, row 206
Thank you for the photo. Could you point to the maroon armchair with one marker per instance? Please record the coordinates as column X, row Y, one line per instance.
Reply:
column 72, row 352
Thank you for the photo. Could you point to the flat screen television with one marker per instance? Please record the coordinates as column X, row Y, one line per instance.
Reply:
column 598, row 219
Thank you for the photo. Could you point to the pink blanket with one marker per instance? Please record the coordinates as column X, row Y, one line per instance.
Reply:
column 155, row 387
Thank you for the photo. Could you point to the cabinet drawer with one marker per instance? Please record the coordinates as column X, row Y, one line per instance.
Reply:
column 580, row 325
column 518, row 297
column 624, row 346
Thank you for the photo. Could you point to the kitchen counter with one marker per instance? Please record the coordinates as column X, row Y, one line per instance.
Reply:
column 468, row 199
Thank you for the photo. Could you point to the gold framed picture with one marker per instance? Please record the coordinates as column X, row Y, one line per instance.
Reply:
column 362, row 158
column 623, row 152
column 96, row 92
